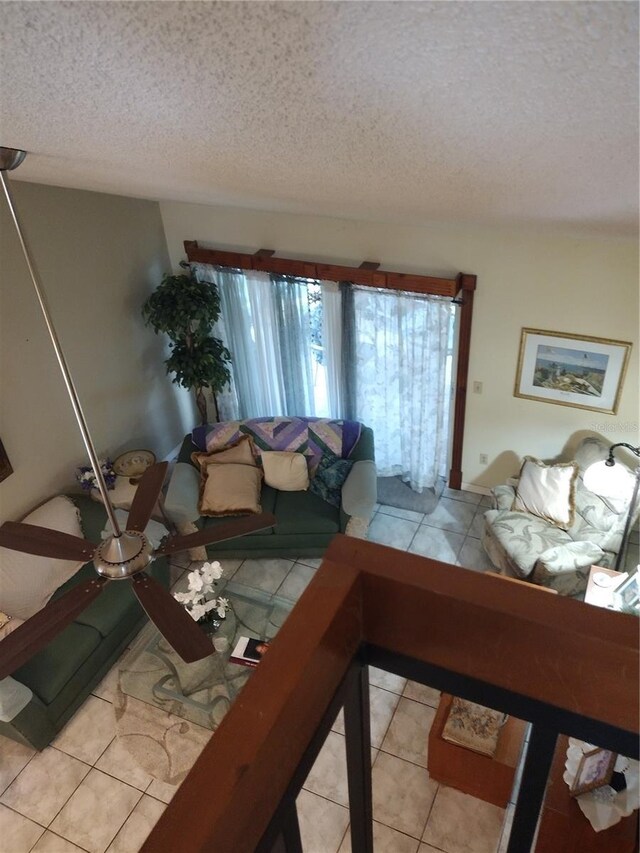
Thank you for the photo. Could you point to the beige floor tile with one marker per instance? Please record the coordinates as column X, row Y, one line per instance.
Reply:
column 313, row 562
column 459, row 823
column 18, row 834
column 137, row 826
column 96, row 812
column 89, row 732
column 117, row 761
column 162, row 790
column 422, row 693
column 394, row 532
column 427, row 848
column 107, row 687
column 338, row 725
column 45, row 785
column 408, row 735
column 296, row 581
column 52, row 843
column 385, row 840
column 402, row 794
column 328, row 776
column 266, row 574
column 322, row 823
column 382, row 704
column 14, row 757
column 386, row 680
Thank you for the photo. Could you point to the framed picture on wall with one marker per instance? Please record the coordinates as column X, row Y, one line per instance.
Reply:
column 571, row 370
column 5, row 465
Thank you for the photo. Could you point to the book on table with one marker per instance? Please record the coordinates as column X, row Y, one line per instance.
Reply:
column 473, row 726
column 248, row 651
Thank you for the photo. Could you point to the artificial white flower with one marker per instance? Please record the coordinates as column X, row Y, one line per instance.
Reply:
column 223, row 606
column 211, row 572
column 197, row 612
column 185, row 597
column 195, row 581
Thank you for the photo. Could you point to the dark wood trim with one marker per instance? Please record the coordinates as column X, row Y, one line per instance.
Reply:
column 466, row 289
column 538, row 761
column 562, row 660
column 366, row 274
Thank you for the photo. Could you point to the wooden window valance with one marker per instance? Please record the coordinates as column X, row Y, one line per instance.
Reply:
column 368, row 273
column 461, row 288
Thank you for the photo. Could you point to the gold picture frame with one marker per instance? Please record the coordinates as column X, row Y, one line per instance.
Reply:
column 571, row 370
column 594, row 771
column 5, row 465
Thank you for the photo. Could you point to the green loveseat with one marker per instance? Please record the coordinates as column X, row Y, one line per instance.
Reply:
column 305, row 522
column 64, row 673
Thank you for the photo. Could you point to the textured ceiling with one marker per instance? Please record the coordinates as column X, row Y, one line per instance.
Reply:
column 522, row 112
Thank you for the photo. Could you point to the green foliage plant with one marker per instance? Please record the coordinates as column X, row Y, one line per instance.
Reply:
column 185, row 309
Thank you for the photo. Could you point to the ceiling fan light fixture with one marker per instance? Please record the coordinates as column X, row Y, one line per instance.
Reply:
column 10, row 158
column 121, row 557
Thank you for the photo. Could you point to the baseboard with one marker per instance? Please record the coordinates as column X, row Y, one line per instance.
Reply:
column 477, row 490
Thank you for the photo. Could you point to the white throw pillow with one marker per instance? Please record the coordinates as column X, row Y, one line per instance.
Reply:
column 285, row 470
column 547, row 491
column 27, row 582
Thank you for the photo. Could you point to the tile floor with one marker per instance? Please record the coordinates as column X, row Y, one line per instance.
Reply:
column 49, row 801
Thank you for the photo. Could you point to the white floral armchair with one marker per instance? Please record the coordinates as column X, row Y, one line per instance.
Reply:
column 526, row 546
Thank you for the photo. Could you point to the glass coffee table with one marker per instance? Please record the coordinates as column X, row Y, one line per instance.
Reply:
column 203, row 691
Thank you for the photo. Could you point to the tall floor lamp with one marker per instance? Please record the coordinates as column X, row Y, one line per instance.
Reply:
column 615, row 481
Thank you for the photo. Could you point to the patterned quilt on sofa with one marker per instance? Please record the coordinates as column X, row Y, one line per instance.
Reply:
column 312, row 437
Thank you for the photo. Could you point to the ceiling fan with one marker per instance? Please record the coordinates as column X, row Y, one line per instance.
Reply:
column 125, row 554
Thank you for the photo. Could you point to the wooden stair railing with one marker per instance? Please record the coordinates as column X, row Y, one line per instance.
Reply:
column 565, row 666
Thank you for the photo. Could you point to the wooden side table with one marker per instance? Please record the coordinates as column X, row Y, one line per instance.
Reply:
column 601, row 596
column 122, row 495
column 563, row 827
column 488, row 779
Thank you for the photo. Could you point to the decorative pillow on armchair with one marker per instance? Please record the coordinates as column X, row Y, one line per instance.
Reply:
column 27, row 582
column 547, row 491
column 329, row 478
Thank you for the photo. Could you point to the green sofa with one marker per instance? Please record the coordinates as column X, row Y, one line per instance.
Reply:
column 64, row 673
column 305, row 522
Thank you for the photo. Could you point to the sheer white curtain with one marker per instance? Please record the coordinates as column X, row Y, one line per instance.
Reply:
column 265, row 327
column 402, row 386
column 332, row 346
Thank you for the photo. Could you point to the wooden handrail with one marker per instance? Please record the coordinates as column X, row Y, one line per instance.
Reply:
column 568, row 656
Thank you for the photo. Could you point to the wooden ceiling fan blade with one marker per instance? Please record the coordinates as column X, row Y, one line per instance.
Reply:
column 171, row 619
column 146, row 496
column 227, row 530
column 44, row 542
column 32, row 635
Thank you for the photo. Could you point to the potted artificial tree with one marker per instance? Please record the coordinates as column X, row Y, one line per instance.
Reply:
column 186, row 309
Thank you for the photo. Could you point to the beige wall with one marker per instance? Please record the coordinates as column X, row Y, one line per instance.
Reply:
column 99, row 256
column 525, row 279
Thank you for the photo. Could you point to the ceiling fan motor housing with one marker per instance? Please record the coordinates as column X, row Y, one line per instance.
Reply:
column 121, row 557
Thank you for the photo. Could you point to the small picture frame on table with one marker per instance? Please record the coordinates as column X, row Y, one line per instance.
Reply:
column 594, row 771
column 627, row 595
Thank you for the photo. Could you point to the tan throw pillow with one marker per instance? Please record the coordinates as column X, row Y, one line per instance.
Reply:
column 27, row 582
column 547, row 491
column 230, row 489
column 285, row 470
column 240, row 453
